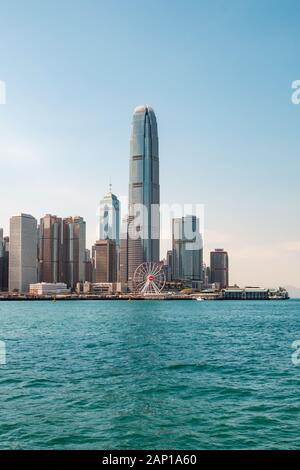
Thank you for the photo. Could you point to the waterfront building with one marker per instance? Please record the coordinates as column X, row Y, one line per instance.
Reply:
column 144, row 191
column 22, row 252
column 248, row 293
column 50, row 249
column 105, row 261
column 74, row 254
column 187, row 253
column 47, row 288
column 254, row 293
column 219, row 267
column 99, row 288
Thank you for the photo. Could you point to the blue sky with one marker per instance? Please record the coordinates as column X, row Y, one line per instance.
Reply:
column 218, row 75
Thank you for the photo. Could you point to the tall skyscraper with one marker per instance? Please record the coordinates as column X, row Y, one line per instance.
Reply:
column 22, row 252
column 206, row 275
column 123, row 267
column 143, row 190
column 1, row 257
column 169, row 265
column 109, row 226
column 50, row 249
column 187, row 253
column 88, row 266
column 2, row 260
column 105, row 256
column 219, row 267
column 5, row 264
column 74, row 254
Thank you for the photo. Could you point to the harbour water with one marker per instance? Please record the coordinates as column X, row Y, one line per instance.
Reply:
column 149, row 375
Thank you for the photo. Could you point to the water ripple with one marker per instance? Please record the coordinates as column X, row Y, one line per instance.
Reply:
column 96, row 375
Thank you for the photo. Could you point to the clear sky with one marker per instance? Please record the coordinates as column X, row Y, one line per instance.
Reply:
column 218, row 75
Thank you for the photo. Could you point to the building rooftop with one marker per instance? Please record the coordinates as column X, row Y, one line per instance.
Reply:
column 142, row 108
column 21, row 214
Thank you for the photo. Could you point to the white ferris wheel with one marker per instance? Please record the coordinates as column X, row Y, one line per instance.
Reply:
column 149, row 278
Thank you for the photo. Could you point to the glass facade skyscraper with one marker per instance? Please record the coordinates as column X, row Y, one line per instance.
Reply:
column 108, row 244
column 50, row 249
column 219, row 267
column 144, row 193
column 187, row 256
column 74, row 253
column 109, row 226
column 23, row 241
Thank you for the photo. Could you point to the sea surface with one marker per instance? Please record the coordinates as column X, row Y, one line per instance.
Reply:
column 149, row 375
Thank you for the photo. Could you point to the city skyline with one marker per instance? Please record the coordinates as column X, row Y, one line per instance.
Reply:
column 228, row 128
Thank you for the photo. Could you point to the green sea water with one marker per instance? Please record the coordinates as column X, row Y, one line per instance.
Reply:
column 149, row 375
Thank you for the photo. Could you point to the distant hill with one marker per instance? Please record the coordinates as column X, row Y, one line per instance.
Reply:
column 293, row 291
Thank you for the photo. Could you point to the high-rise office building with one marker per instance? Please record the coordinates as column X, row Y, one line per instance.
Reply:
column 144, row 191
column 5, row 264
column 74, row 254
column 109, row 226
column 219, row 267
column 1, row 257
column 50, row 249
column 105, row 266
column 22, row 252
column 4, row 259
column 169, row 265
column 123, row 267
column 187, row 253
column 88, row 266
column 206, row 275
